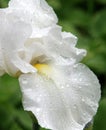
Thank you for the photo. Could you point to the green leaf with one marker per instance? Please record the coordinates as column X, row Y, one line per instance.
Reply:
column 98, row 26
column 12, row 115
column 3, row 3
column 23, row 119
column 9, row 90
column 102, row 1
column 100, row 118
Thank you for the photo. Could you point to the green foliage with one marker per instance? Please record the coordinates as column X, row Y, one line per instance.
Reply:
column 3, row 3
column 87, row 20
column 100, row 119
column 12, row 115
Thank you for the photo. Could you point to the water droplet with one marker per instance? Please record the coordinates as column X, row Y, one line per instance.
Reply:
column 92, row 96
column 80, row 79
column 75, row 79
column 62, row 86
column 67, row 85
column 24, row 81
column 74, row 106
column 38, row 99
column 84, row 114
column 72, row 123
column 80, row 87
column 83, row 100
column 37, row 110
column 33, row 70
column 86, row 84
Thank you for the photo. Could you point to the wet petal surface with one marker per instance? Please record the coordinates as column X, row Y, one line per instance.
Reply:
column 62, row 102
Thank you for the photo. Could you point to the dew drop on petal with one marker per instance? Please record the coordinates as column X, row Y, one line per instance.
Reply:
column 92, row 96
column 83, row 100
column 80, row 87
column 86, row 84
column 24, row 81
column 38, row 99
column 37, row 110
column 80, row 79
column 84, row 114
column 67, row 85
column 74, row 106
column 62, row 86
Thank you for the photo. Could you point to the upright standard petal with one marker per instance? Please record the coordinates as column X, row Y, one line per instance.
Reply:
column 13, row 35
column 66, row 99
column 62, row 46
column 37, row 12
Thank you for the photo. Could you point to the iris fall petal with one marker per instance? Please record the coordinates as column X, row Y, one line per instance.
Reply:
column 62, row 102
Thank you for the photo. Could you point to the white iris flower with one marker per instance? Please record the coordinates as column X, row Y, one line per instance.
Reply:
column 62, row 93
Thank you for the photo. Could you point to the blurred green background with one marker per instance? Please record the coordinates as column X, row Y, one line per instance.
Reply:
column 87, row 20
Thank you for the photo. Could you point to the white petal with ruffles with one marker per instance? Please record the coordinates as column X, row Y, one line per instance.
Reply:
column 38, row 9
column 36, row 12
column 61, row 45
column 67, row 100
column 13, row 35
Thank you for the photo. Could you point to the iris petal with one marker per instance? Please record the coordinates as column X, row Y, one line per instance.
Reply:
column 37, row 12
column 12, row 45
column 66, row 102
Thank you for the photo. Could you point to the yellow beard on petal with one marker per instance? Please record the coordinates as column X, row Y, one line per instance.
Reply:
column 44, row 69
column 49, row 72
